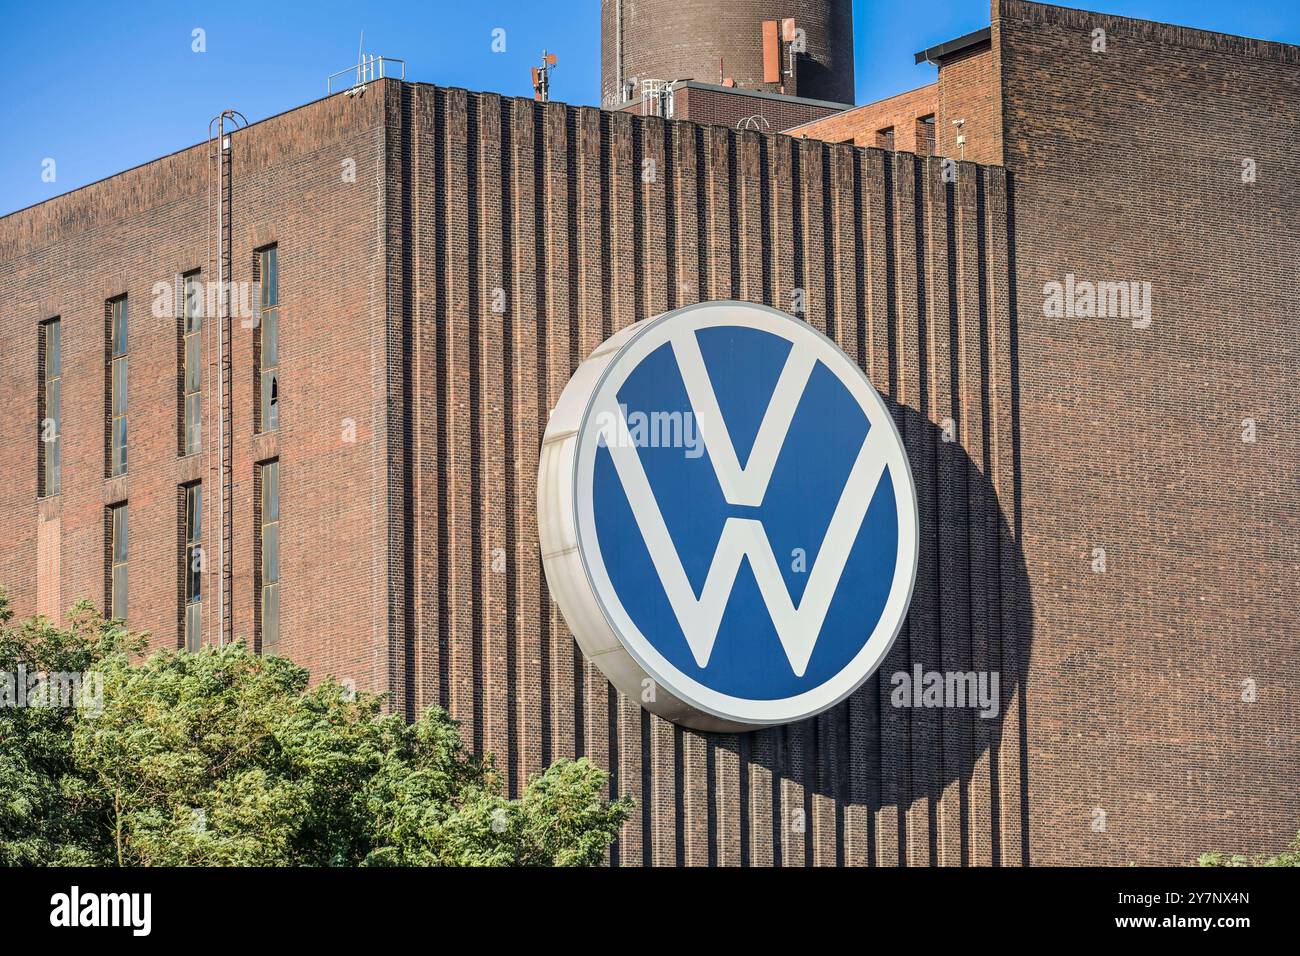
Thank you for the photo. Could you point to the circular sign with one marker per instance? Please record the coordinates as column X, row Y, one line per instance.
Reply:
column 727, row 517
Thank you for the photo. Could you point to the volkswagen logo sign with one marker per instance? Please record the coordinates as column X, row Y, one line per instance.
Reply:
column 727, row 517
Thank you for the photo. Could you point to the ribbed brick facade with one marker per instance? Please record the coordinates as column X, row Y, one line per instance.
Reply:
column 446, row 260
column 552, row 206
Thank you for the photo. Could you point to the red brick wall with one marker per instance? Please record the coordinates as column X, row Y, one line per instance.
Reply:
column 860, row 126
column 1127, row 165
column 121, row 235
column 969, row 89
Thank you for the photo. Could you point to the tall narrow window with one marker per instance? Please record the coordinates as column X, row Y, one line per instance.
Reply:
column 192, row 566
column 117, row 555
column 268, row 563
column 885, row 138
column 925, row 135
column 268, row 340
column 192, row 371
column 117, row 385
column 51, row 411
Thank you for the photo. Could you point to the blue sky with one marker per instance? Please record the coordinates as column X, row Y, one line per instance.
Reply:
column 103, row 86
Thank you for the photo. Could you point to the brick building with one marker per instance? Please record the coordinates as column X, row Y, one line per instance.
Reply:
column 904, row 122
column 433, row 263
column 717, row 105
column 959, row 115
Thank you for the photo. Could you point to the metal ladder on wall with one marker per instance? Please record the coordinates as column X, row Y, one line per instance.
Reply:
column 219, row 134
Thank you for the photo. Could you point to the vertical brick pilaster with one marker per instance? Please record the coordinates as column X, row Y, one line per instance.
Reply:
column 970, row 338
column 458, row 441
column 553, row 185
column 491, row 304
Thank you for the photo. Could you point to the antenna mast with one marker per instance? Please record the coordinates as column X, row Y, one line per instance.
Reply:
column 542, row 78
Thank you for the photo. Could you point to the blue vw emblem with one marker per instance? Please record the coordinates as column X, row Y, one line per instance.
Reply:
column 727, row 516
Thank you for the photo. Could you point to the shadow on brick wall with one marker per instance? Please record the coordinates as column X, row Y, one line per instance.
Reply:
column 916, row 785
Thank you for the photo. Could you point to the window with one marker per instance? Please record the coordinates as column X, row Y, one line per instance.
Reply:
column 192, row 366
column 267, row 358
column 192, row 566
column 925, row 135
column 115, row 313
column 117, row 555
column 885, row 138
column 268, row 558
column 50, row 412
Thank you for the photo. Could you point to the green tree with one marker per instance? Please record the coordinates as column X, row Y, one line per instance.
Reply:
column 227, row 758
column 1288, row 857
column 49, row 813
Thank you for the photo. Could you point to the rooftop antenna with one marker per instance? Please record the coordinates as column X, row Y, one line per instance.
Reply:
column 369, row 67
column 542, row 77
column 365, row 69
column 789, row 33
column 779, row 35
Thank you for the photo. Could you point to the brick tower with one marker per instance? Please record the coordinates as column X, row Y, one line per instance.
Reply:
column 712, row 41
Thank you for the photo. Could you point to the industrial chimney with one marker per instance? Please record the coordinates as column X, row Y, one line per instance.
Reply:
column 712, row 41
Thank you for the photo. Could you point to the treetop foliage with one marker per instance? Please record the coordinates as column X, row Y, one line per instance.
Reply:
column 224, row 757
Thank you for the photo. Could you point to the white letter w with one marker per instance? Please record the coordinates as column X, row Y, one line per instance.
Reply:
column 797, row 627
